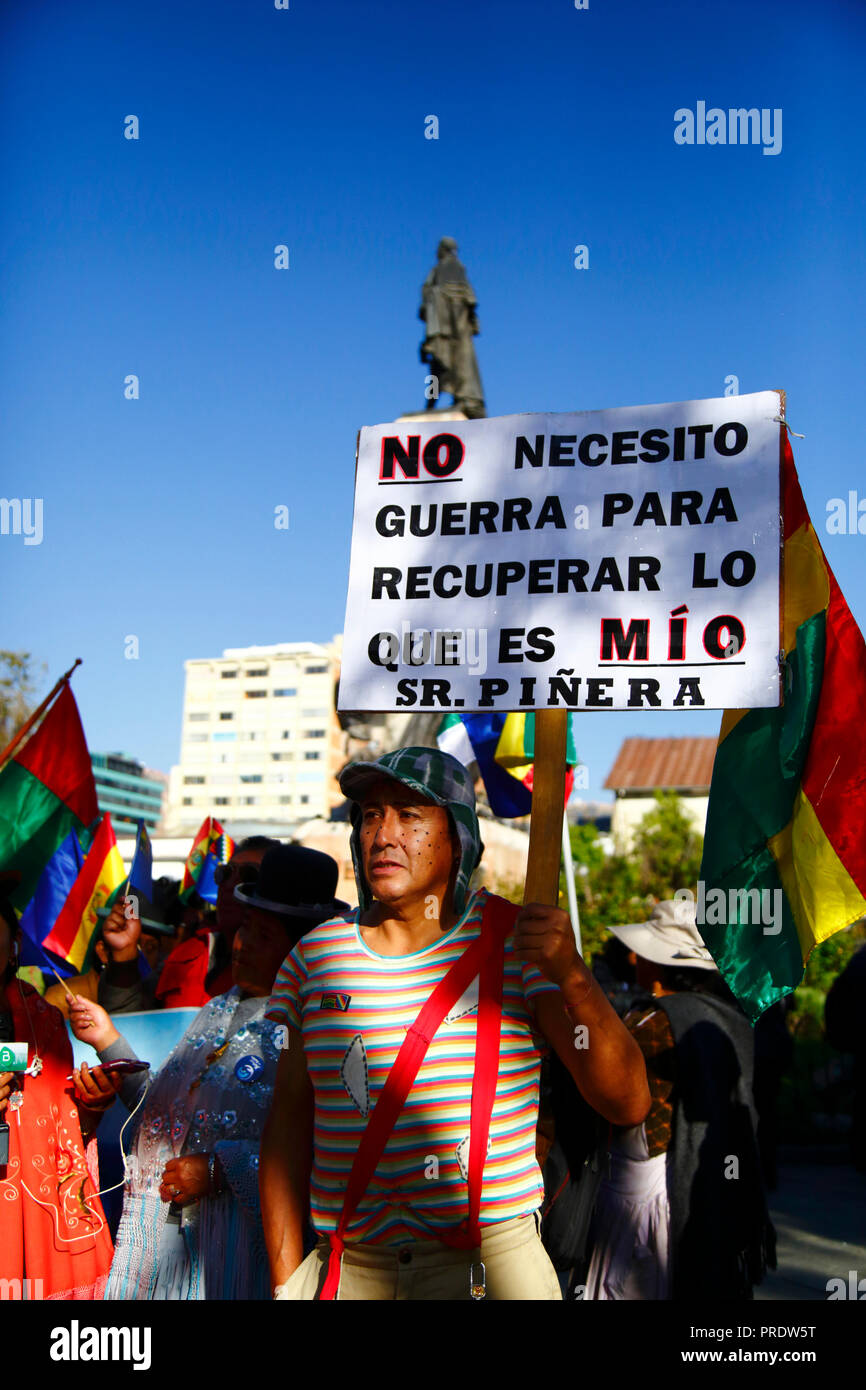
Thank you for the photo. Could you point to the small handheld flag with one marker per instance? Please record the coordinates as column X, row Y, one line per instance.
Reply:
column 211, row 846
column 141, row 869
column 101, row 874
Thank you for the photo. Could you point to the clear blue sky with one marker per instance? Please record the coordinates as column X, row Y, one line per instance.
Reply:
column 306, row 127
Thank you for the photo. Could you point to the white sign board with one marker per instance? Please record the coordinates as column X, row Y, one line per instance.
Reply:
column 613, row 559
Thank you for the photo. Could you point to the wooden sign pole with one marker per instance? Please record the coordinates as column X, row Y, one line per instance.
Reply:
column 548, row 797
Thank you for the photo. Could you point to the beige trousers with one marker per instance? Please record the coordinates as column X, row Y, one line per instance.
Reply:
column 516, row 1267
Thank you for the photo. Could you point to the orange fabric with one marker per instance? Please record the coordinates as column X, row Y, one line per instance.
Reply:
column 48, row 1155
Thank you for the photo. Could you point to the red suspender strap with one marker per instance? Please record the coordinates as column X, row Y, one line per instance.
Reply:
column 484, row 956
column 486, row 1068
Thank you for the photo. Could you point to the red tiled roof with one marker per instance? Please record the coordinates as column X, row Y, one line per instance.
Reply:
column 671, row 764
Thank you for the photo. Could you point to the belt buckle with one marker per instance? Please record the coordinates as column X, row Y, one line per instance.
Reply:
column 477, row 1287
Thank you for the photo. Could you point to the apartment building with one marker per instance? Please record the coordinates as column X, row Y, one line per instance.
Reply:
column 128, row 790
column 260, row 741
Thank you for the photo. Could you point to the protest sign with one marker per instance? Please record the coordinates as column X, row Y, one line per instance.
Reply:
column 614, row 559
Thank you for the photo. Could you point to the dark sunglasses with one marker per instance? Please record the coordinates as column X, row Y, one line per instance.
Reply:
column 244, row 873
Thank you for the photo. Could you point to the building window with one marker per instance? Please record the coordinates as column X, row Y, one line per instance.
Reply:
column 304, row 799
column 249, row 801
column 221, row 800
column 255, row 694
column 196, row 738
column 314, row 733
column 252, row 736
column 287, row 733
column 228, row 675
column 193, row 781
column 312, row 757
column 286, row 690
column 284, row 800
column 315, row 670
column 226, row 714
column 187, row 801
column 253, row 777
column 256, row 671
column 281, row 757
column 194, row 718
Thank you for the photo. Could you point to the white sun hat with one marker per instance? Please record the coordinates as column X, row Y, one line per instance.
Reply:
column 670, row 937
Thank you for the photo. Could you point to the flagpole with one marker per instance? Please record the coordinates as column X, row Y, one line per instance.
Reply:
column 548, row 798
column 59, row 978
column 26, row 727
column 568, row 861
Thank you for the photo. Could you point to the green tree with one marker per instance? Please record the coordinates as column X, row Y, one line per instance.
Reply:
column 18, row 687
column 826, row 963
column 667, row 848
column 614, row 888
column 606, row 887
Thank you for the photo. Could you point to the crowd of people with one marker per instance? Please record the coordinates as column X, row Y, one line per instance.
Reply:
column 361, row 1107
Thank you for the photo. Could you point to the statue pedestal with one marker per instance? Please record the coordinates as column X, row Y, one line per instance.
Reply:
column 415, row 417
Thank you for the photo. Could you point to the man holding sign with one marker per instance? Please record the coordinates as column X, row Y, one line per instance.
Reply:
column 406, row 1104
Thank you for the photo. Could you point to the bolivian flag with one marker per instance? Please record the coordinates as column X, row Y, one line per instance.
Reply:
column 788, row 788
column 46, row 790
column 101, row 875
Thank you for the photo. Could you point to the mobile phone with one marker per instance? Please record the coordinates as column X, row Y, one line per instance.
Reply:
column 124, row 1066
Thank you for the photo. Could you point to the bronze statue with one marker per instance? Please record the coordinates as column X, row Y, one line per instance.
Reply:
column 448, row 309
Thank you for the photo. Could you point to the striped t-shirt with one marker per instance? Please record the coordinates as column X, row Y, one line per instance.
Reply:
column 353, row 1007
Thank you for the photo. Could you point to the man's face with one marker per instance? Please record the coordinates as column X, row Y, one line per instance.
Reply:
column 408, row 849
column 149, row 944
column 229, row 910
column 261, row 944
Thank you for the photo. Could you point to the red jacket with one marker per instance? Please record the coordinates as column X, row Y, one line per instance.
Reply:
column 181, row 984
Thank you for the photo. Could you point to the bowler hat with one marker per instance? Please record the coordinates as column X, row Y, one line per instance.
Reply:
column 295, row 881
